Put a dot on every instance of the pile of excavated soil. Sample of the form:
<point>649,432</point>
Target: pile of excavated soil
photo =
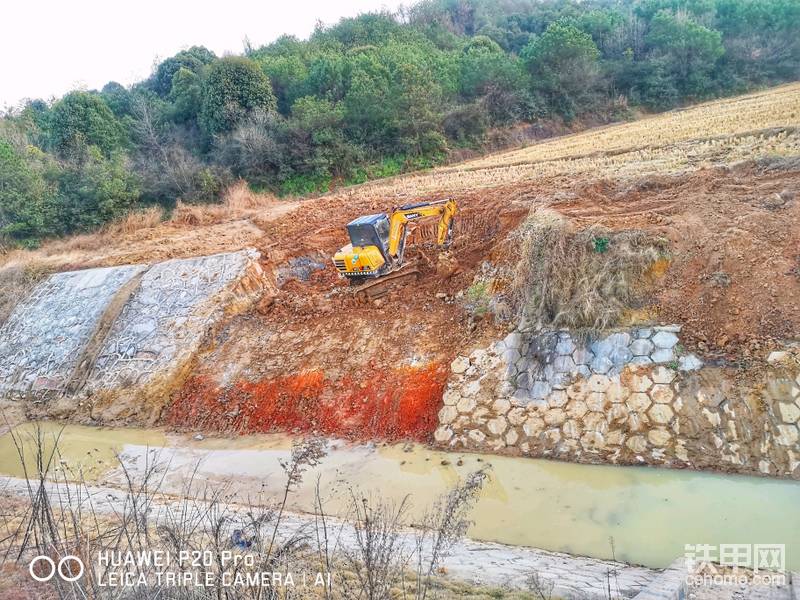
<point>312,357</point>
<point>733,278</point>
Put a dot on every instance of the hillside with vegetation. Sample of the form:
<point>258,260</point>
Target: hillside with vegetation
<point>374,96</point>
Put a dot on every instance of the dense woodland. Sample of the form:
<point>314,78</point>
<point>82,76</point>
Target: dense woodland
<point>374,96</point>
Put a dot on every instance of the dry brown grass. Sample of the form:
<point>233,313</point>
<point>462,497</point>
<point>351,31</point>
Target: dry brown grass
<point>240,197</point>
<point>134,221</point>
<point>584,280</point>
<point>126,226</point>
<point>144,235</point>
<point>238,201</point>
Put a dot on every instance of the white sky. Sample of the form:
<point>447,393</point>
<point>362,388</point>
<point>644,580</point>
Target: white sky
<point>49,47</point>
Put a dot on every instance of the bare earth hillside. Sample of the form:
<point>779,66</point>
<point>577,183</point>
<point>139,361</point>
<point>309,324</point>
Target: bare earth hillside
<point>720,182</point>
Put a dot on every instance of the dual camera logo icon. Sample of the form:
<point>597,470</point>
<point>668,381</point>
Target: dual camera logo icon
<point>64,568</point>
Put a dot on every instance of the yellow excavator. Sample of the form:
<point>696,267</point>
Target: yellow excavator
<point>378,242</point>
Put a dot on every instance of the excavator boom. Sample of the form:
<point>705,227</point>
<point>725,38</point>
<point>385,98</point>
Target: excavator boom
<point>400,217</point>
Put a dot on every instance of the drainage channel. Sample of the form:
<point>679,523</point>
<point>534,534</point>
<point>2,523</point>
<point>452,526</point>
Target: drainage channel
<point>637,515</point>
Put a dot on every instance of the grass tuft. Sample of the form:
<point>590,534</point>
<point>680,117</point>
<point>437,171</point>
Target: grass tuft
<point>582,280</point>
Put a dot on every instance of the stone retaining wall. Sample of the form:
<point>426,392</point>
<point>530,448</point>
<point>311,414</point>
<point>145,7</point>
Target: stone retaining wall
<point>87,340</point>
<point>632,396</point>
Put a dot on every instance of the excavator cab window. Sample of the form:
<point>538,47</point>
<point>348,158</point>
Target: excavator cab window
<point>370,230</point>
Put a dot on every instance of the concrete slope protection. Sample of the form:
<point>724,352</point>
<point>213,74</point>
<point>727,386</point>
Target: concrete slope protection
<point>86,337</point>
<point>41,342</point>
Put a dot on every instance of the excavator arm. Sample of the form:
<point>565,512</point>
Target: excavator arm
<point>400,217</point>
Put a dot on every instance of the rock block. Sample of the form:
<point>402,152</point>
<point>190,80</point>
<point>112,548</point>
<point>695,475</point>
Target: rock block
<point>638,401</point>
<point>601,365</point>
<point>642,347</point>
<point>662,394</point>
<point>789,413</point>
<point>577,408</point>
<point>533,426</point>
<point>665,339</point>
<point>459,364</point>
<point>582,356</point>
<point>659,437</point>
<point>662,355</point>
<point>637,444</point>
<point>660,413</point>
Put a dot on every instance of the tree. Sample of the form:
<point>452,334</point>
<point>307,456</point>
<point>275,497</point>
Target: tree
<point>483,65</point>
<point>256,149</point>
<point>318,125</point>
<point>234,87</point>
<point>117,98</point>
<point>606,26</point>
<point>327,75</point>
<point>287,74</point>
<point>690,50</point>
<point>393,102</point>
<point>164,163</point>
<point>82,119</point>
<point>499,78</point>
<point>193,59</point>
<point>364,30</point>
<point>27,209</point>
<point>466,124</point>
<point>564,64</point>
<point>368,99</point>
<point>95,191</point>
<point>185,95</point>
<point>417,111</point>
<point>761,39</point>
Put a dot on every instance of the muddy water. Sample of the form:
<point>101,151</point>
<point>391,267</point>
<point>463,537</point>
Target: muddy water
<point>649,513</point>
<point>82,452</point>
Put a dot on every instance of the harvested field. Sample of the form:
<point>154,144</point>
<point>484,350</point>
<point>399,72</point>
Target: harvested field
<point>769,109</point>
<point>764,124</point>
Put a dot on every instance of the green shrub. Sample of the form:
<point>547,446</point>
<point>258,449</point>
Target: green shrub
<point>28,209</point>
<point>299,185</point>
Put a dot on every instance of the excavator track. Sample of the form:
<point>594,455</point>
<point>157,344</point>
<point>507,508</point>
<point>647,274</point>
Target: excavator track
<point>370,290</point>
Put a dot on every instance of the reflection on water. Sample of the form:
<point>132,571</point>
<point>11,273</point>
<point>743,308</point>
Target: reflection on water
<point>649,513</point>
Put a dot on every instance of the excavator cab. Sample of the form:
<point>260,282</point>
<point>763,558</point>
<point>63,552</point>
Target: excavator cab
<point>370,230</point>
<point>367,254</point>
<point>377,242</point>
